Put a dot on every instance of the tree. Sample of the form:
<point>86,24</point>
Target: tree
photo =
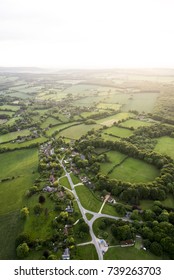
<point>37,209</point>
<point>24,212</point>
<point>41,199</point>
<point>156,248</point>
<point>22,250</point>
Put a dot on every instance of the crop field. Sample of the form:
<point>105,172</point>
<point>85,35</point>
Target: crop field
<point>134,171</point>
<point>20,164</point>
<point>114,158</point>
<point>165,146</point>
<point>75,132</point>
<point>13,135</point>
<point>118,131</point>
<point>108,121</point>
<point>87,199</point>
<point>142,102</point>
<point>135,123</point>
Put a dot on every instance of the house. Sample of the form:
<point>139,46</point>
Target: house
<point>66,254</point>
<point>69,209</point>
<point>127,243</point>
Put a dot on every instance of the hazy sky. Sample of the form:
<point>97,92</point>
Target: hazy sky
<point>87,33</point>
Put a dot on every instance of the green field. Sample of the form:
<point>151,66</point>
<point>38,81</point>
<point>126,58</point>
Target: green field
<point>13,135</point>
<point>134,171</point>
<point>75,132</point>
<point>114,158</point>
<point>108,121</point>
<point>118,131</point>
<point>87,199</point>
<point>10,107</point>
<point>165,146</point>
<point>75,179</point>
<point>7,113</point>
<point>135,123</point>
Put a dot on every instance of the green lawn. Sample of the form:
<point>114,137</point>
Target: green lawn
<point>86,252</point>
<point>165,145</point>
<point>128,253</point>
<point>87,199</point>
<point>110,210</point>
<point>118,131</point>
<point>134,171</point>
<point>75,179</point>
<point>64,182</point>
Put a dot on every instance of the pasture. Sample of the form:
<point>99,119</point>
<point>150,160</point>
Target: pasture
<point>25,144</point>
<point>106,106</point>
<point>118,131</point>
<point>75,132</point>
<point>9,107</point>
<point>108,121</point>
<point>135,123</point>
<point>49,121</point>
<point>13,135</point>
<point>22,166</point>
<point>141,102</point>
<point>57,128</point>
<point>87,198</point>
<point>165,145</point>
<point>135,171</point>
<point>114,158</point>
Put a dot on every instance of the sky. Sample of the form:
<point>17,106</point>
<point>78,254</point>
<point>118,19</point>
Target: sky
<point>87,33</point>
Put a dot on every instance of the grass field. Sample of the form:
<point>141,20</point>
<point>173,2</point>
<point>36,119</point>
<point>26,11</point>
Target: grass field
<point>118,131</point>
<point>20,163</point>
<point>13,135</point>
<point>86,252</point>
<point>8,113</point>
<point>114,158</point>
<point>10,107</point>
<point>165,145</point>
<point>75,179</point>
<point>128,253</point>
<point>87,199</point>
<point>75,132</point>
<point>108,121</point>
<point>135,123</point>
<point>134,171</point>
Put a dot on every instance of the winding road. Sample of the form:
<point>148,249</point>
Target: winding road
<point>84,211</point>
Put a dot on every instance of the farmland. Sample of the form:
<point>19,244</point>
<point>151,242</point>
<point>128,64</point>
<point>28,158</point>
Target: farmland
<point>85,155</point>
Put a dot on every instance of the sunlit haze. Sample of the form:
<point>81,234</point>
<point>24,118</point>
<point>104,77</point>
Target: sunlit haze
<point>87,33</point>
